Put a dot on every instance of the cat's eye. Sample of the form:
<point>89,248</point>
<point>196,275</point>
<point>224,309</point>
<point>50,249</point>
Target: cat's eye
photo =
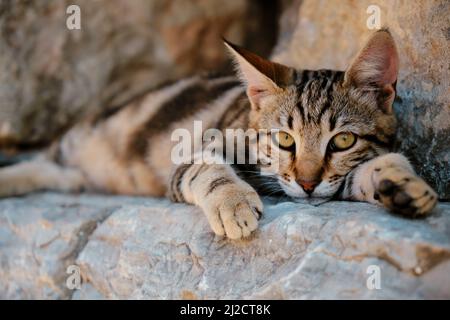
<point>284,140</point>
<point>342,141</point>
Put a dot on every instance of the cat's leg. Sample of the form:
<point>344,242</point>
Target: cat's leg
<point>231,205</point>
<point>390,180</point>
<point>37,175</point>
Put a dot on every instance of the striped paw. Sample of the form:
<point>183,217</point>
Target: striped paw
<point>403,192</point>
<point>233,210</point>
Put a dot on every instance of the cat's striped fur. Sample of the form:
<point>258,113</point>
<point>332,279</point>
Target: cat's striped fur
<point>129,151</point>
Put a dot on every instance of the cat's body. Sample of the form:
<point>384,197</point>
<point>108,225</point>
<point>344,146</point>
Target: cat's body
<point>337,127</point>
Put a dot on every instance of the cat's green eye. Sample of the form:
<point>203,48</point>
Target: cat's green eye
<point>343,141</point>
<point>284,140</point>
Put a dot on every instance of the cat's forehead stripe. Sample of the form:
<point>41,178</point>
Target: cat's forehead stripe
<point>315,88</point>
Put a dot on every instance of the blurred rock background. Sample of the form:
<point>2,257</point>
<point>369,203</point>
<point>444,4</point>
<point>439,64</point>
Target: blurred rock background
<point>51,76</point>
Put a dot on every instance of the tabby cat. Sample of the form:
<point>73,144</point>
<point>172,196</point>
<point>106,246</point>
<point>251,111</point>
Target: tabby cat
<point>333,133</point>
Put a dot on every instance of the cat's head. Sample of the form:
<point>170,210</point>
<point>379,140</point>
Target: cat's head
<point>329,121</point>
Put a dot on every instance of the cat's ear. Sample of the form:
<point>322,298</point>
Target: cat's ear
<point>375,68</point>
<point>262,77</point>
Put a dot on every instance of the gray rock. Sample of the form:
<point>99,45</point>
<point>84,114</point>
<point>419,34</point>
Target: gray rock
<point>314,35</point>
<point>159,250</point>
<point>40,236</point>
<point>87,292</point>
<point>138,248</point>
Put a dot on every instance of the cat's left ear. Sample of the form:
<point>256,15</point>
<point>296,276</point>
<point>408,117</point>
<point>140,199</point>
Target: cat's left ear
<point>261,76</point>
<point>375,68</point>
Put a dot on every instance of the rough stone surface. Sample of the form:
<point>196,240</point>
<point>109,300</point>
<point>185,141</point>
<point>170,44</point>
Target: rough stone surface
<point>39,237</point>
<point>327,34</point>
<point>50,75</point>
<point>137,248</point>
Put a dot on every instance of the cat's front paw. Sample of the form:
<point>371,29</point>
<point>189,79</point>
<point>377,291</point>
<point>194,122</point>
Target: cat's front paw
<point>233,211</point>
<point>403,192</point>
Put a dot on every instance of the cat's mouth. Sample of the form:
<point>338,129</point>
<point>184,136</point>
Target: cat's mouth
<point>296,192</point>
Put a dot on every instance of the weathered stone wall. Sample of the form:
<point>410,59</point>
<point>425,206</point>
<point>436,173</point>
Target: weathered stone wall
<point>50,76</point>
<point>327,34</point>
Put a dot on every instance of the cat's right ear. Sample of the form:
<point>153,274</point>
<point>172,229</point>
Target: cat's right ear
<point>261,76</point>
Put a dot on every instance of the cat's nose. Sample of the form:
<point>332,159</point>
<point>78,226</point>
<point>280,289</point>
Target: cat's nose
<point>308,185</point>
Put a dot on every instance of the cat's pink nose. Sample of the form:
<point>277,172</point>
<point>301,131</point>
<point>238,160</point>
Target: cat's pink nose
<point>308,186</point>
